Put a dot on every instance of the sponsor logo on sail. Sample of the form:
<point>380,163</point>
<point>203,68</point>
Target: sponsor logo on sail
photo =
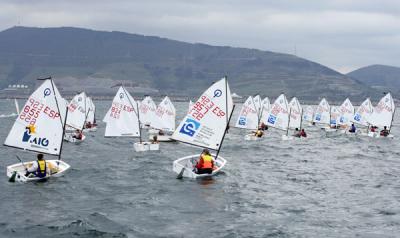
<point>318,117</point>
<point>190,127</point>
<point>217,93</point>
<point>34,141</point>
<point>357,117</point>
<point>46,92</point>
<point>272,119</point>
<point>242,121</point>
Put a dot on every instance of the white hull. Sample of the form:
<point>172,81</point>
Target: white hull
<point>164,138</point>
<point>60,166</point>
<point>189,162</point>
<point>90,129</point>
<point>146,146</point>
<point>69,137</point>
<point>251,137</point>
<point>377,135</point>
<point>329,130</point>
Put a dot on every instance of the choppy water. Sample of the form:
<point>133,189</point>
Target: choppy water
<point>320,187</point>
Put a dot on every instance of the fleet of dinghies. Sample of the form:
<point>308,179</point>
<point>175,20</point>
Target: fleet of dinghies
<point>47,120</point>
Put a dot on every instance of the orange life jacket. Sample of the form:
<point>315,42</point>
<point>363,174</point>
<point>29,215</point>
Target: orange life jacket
<point>207,162</point>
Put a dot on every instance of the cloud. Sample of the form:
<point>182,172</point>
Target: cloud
<point>341,34</point>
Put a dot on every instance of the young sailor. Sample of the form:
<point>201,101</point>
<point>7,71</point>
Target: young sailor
<point>205,164</point>
<point>78,134</point>
<point>384,132</point>
<point>303,133</point>
<point>352,128</point>
<point>39,167</point>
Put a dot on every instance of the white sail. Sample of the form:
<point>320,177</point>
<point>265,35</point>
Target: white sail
<point>335,115</point>
<point>257,103</point>
<point>40,125</point>
<point>166,115</point>
<point>16,105</point>
<point>295,114</point>
<point>346,111</point>
<point>122,119</point>
<point>77,111</point>
<point>206,122</point>
<point>383,112</point>
<point>265,108</point>
<point>308,114</point>
<point>107,115</point>
<point>190,105</point>
<point>90,110</point>
<point>147,112</point>
<point>248,116</point>
<point>279,114</point>
<point>322,114</point>
<point>363,113</point>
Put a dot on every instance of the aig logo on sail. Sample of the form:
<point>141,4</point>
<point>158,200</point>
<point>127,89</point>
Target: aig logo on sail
<point>189,127</point>
<point>34,141</point>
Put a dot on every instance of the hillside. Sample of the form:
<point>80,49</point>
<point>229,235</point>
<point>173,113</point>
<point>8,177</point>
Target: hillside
<point>380,77</point>
<point>96,60</point>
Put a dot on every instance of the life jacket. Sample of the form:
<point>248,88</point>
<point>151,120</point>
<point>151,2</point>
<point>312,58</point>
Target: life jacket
<point>41,170</point>
<point>207,162</point>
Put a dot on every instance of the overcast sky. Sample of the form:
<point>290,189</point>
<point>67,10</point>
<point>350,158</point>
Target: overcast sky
<point>341,34</point>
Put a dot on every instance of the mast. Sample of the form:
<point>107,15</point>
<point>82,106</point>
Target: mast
<point>58,108</point>
<point>301,118</point>
<point>137,114</point>
<point>394,110</point>
<point>86,114</point>
<point>226,116</point>
<point>287,129</point>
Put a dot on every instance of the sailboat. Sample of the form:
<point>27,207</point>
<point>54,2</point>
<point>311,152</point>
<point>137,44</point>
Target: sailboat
<point>382,115</point>
<point>295,118</point>
<point>165,121</point>
<point>308,115</point>
<point>346,113</point>
<point>123,120</point>
<point>39,128</point>
<point>266,106</point>
<point>90,121</point>
<point>362,114</point>
<point>322,115</point>
<point>14,113</point>
<point>278,117</point>
<point>77,112</point>
<point>147,113</point>
<point>249,118</point>
<point>205,126</point>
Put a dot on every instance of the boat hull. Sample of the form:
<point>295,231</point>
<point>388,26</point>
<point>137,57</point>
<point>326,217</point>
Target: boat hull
<point>19,168</point>
<point>146,146</point>
<point>69,137</point>
<point>188,162</point>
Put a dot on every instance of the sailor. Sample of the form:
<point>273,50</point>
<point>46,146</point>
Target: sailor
<point>384,132</point>
<point>352,128</point>
<point>205,164</point>
<point>296,132</point>
<point>161,133</point>
<point>78,134</point>
<point>39,167</point>
<point>155,140</point>
<point>259,133</point>
<point>303,133</point>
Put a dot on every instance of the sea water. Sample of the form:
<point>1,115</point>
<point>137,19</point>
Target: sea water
<point>324,186</point>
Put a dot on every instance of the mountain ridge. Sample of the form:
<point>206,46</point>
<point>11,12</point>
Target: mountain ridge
<point>95,60</point>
